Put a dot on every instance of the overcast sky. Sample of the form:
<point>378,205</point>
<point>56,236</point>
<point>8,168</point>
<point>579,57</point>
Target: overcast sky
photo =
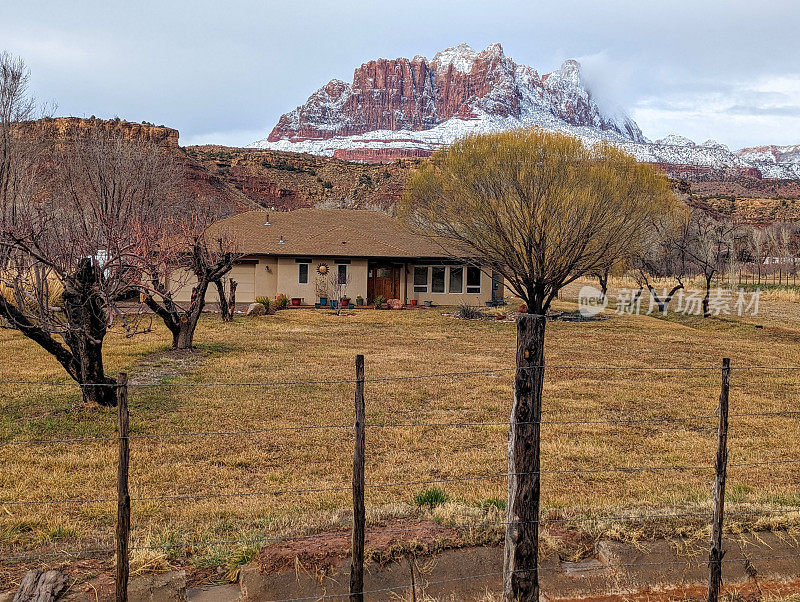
<point>224,71</point>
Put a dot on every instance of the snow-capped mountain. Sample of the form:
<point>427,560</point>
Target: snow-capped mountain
<point>401,107</point>
<point>774,161</point>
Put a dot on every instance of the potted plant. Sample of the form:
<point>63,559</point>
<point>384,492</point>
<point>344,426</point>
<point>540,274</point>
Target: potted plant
<point>413,302</point>
<point>345,301</point>
<point>297,301</point>
<point>359,300</point>
<point>281,301</point>
<point>266,302</point>
<point>428,303</point>
<point>379,301</point>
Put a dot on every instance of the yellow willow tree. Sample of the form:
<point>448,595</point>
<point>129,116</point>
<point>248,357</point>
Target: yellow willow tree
<point>542,209</point>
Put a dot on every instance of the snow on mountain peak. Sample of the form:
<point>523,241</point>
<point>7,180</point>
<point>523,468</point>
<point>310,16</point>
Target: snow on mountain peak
<point>711,143</point>
<point>675,140</point>
<point>401,107</point>
<point>571,69</point>
<point>462,57</point>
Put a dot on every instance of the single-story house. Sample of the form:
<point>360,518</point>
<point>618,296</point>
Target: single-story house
<point>299,253</point>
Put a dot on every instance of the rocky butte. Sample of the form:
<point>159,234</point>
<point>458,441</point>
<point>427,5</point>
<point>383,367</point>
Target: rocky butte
<point>59,127</point>
<point>409,107</point>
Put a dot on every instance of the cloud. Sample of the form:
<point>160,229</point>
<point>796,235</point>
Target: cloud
<point>768,104</point>
<point>610,81</point>
<point>49,49</point>
<point>789,111</point>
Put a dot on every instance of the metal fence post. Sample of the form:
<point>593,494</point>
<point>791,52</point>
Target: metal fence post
<point>359,513</point>
<point>720,468</point>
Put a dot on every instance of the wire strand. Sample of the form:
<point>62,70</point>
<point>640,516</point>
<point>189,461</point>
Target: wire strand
<point>334,381</point>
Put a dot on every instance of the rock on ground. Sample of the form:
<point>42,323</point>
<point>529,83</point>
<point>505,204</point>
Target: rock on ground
<point>256,309</point>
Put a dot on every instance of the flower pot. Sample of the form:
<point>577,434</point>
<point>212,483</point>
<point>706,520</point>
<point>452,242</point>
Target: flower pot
<point>296,301</point>
<point>323,300</point>
<point>345,301</point>
<point>413,302</point>
<point>333,304</point>
<point>359,301</point>
<point>428,303</point>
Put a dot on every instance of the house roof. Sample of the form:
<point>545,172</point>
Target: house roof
<point>329,233</point>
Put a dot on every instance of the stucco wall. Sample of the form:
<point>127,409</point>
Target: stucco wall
<point>246,275</point>
<point>288,281</point>
<point>447,298</point>
<point>255,280</point>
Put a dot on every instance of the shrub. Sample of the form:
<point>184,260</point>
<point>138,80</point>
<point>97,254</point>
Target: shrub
<point>281,301</point>
<point>493,502</point>
<point>265,301</point>
<point>431,497</point>
<point>465,311</point>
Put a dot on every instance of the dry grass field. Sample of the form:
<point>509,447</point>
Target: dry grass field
<point>180,394</point>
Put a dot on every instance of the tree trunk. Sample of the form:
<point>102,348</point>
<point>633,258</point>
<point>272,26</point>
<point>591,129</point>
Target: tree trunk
<point>183,337</point>
<point>706,311</point>
<point>95,385</point>
<point>226,305</point>
<point>521,577</point>
<point>223,301</point>
<point>603,278</point>
<point>88,323</point>
<point>663,304</point>
<point>232,300</point>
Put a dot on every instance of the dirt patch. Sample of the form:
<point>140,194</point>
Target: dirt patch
<point>396,539</point>
<point>162,366</point>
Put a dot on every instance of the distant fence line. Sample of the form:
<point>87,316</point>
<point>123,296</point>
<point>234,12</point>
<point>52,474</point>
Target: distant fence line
<point>122,548</point>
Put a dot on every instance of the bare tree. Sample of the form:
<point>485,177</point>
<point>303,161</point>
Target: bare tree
<point>710,241</point>
<point>662,256</point>
<point>338,283</point>
<point>71,244</point>
<point>757,248</point>
<point>17,153</point>
<point>541,209</point>
<point>200,254</point>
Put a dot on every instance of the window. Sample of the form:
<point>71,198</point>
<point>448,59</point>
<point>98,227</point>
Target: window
<point>420,279</point>
<point>437,279</point>
<point>473,280</point>
<point>341,274</point>
<point>302,273</point>
<point>456,280</point>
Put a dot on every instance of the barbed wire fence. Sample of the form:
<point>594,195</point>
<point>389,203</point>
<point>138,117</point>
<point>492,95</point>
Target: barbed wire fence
<point>122,549</point>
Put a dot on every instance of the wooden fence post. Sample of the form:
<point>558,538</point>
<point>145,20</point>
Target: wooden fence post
<point>720,468</point>
<point>521,558</point>
<point>123,496</point>
<point>359,513</point>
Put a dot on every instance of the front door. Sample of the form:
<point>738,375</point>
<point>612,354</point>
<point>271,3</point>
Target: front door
<point>384,281</point>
